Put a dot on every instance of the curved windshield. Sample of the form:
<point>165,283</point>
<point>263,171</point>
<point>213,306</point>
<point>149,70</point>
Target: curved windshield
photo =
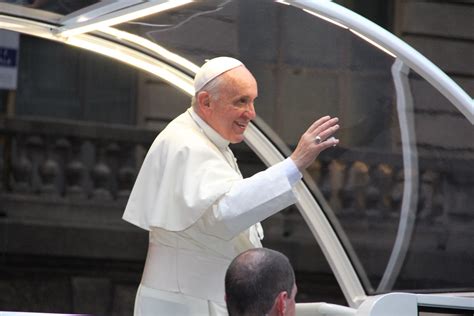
<point>398,189</point>
<point>398,232</point>
<point>440,254</point>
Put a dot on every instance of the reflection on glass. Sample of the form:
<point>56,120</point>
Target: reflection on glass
<point>73,84</point>
<point>57,6</point>
<point>441,250</point>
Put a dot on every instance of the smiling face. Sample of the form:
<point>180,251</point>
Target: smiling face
<point>230,110</point>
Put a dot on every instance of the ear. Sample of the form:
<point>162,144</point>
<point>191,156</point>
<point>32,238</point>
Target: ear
<point>203,99</point>
<point>281,302</point>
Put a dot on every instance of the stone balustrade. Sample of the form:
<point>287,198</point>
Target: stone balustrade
<point>363,184</point>
<point>92,161</point>
<point>71,160</point>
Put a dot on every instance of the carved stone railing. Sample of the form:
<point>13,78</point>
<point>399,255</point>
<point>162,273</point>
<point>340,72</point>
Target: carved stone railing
<point>71,160</point>
<point>367,183</point>
<point>98,162</point>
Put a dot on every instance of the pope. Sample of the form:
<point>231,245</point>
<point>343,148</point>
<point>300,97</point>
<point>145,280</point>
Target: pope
<point>191,197</point>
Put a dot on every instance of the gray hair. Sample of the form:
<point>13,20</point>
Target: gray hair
<point>213,87</point>
<point>254,279</point>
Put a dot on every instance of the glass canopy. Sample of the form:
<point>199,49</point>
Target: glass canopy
<point>397,191</point>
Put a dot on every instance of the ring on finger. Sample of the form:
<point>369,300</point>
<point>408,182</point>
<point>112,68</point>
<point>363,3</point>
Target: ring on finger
<point>318,139</point>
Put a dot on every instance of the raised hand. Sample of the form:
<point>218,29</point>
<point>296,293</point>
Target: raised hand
<point>316,139</point>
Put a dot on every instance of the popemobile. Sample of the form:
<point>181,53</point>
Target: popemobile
<point>383,223</point>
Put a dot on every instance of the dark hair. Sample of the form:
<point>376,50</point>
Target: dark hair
<point>254,279</point>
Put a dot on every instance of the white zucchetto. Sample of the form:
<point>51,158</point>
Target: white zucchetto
<point>213,68</point>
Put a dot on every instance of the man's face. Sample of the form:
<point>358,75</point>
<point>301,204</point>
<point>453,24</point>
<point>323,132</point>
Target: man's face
<point>233,108</point>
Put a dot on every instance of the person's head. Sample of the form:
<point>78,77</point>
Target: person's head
<point>260,282</point>
<point>225,92</point>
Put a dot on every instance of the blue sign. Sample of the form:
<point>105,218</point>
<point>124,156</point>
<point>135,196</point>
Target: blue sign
<point>8,57</point>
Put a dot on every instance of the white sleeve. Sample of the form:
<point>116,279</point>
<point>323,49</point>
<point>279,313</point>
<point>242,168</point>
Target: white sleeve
<point>253,199</point>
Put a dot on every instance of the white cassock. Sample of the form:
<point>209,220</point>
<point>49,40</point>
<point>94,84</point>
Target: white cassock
<point>200,213</point>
